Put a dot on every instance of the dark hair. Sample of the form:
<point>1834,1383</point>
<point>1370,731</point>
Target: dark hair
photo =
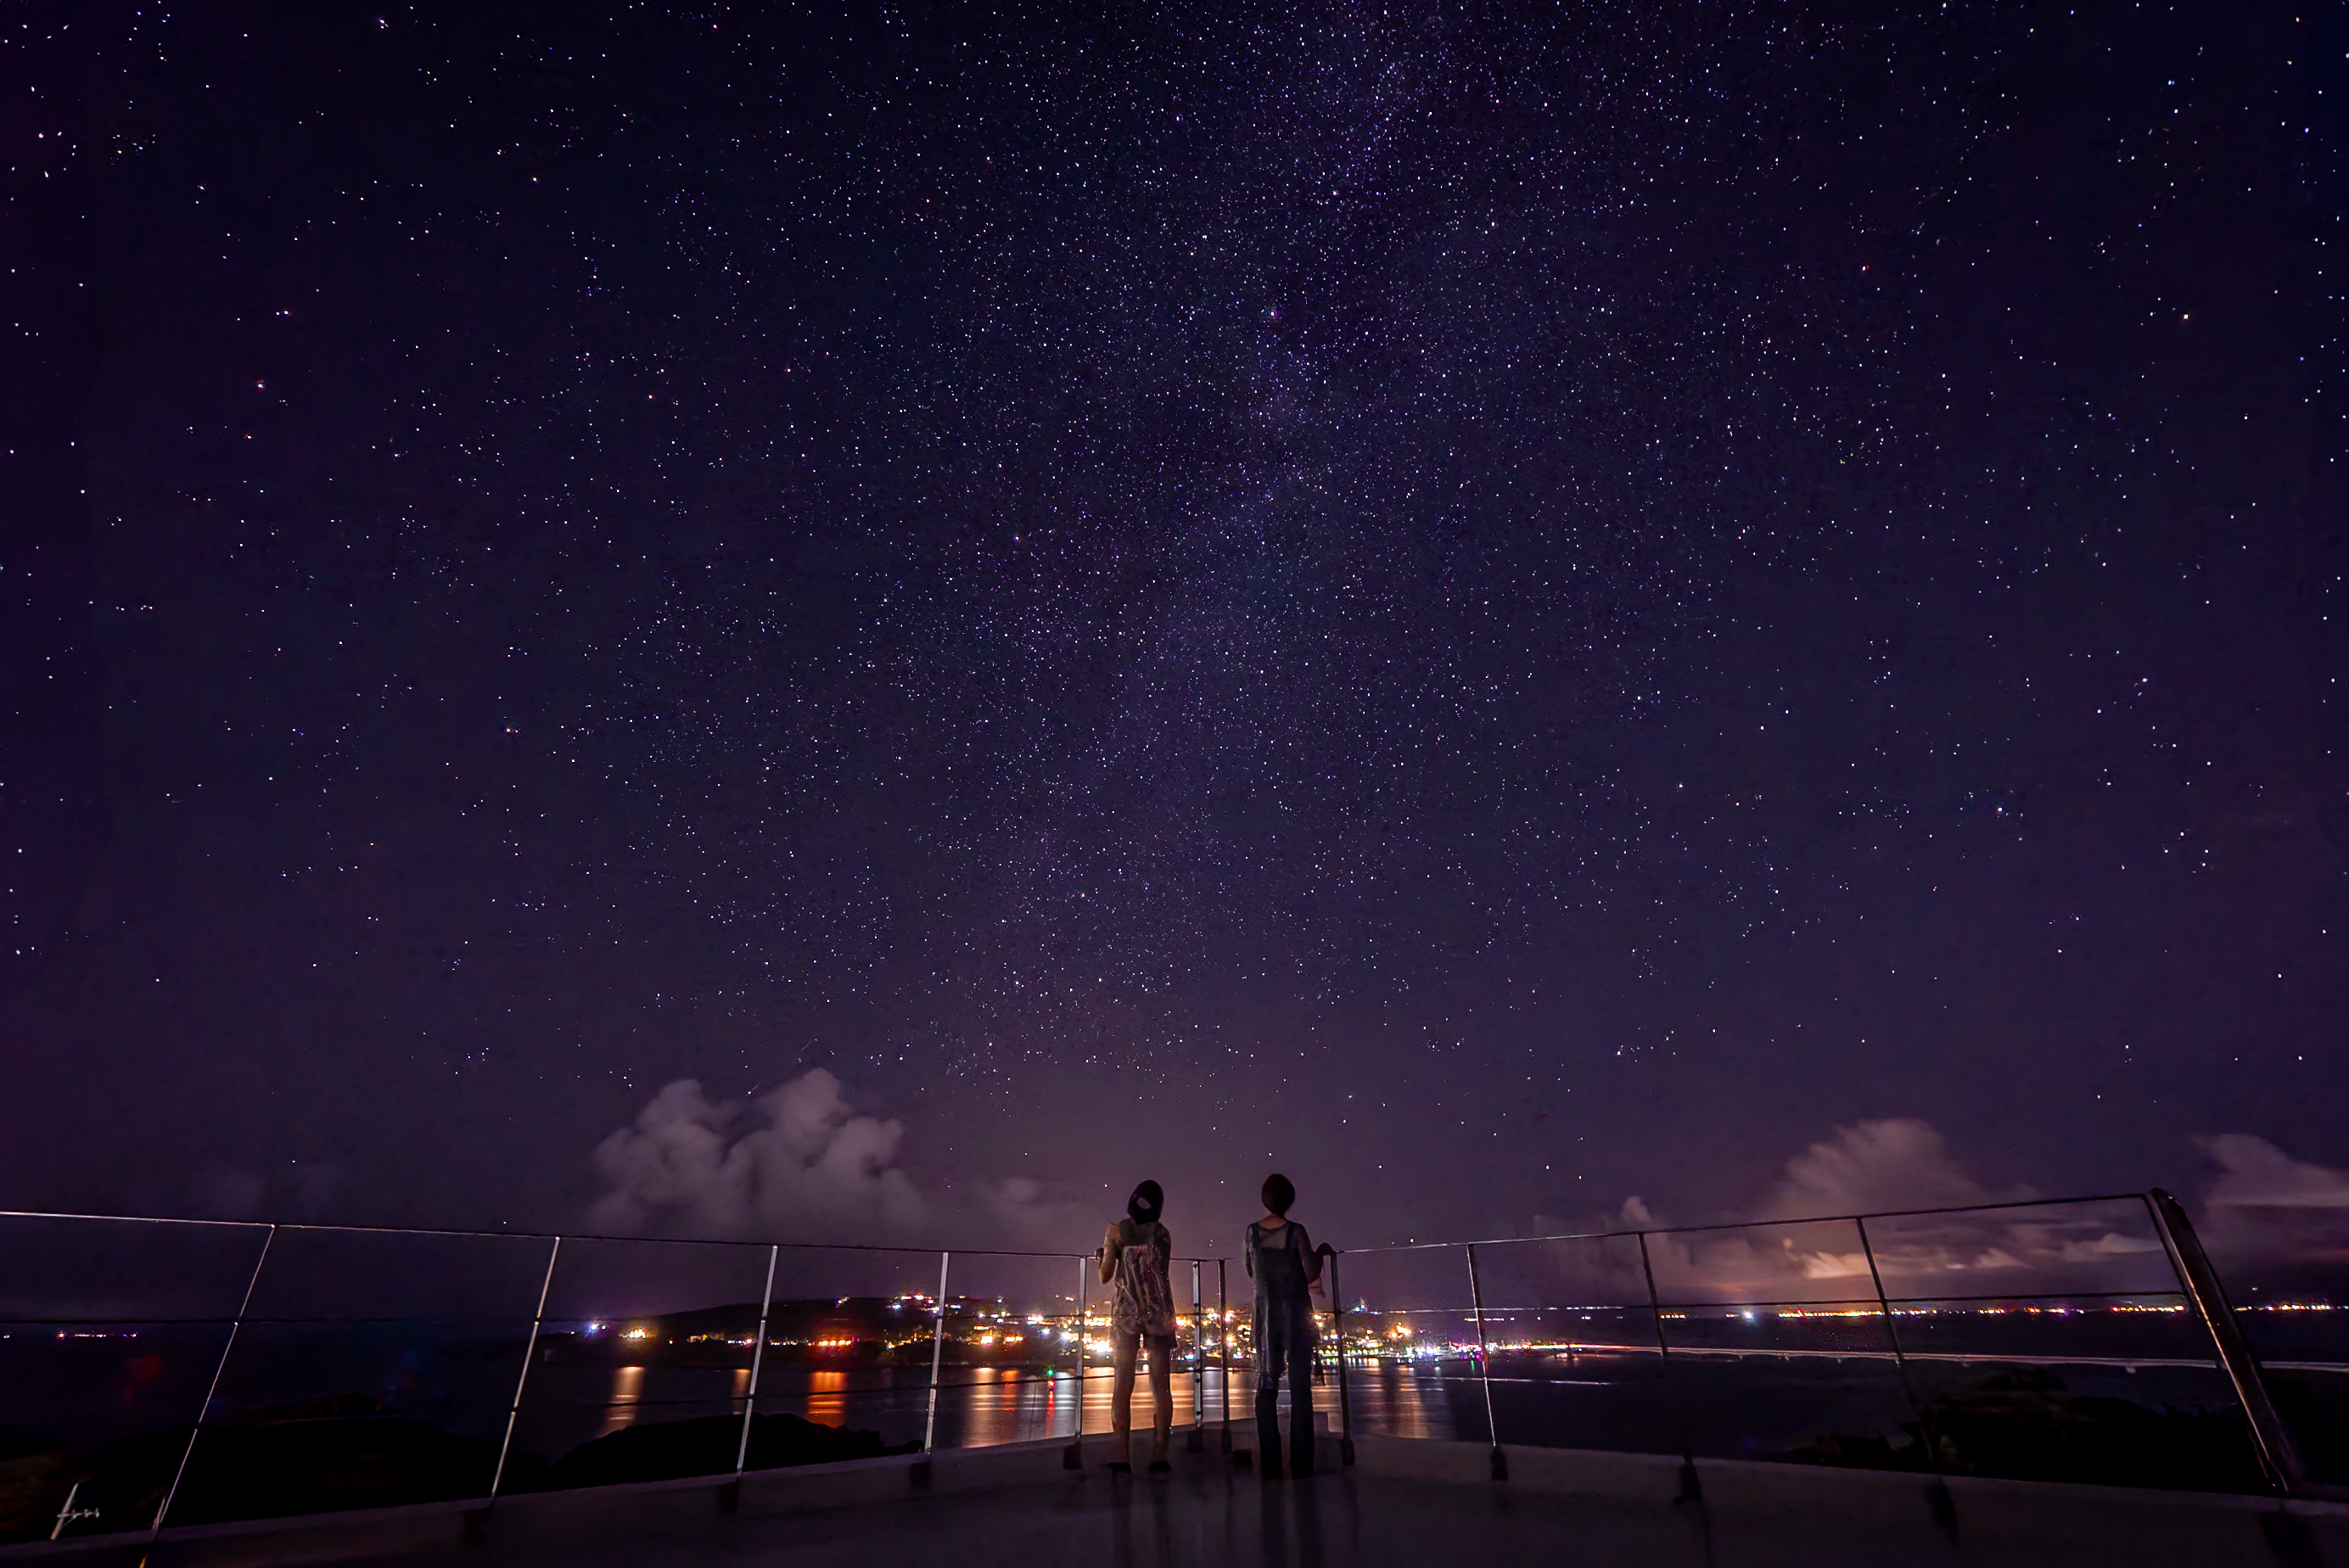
<point>1279,1192</point>
<point>1147,1200</point>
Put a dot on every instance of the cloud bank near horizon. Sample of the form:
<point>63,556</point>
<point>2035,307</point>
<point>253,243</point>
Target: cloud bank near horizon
<point>2253,1173</point>
<point>2261,1207</point>
<point>801,1162</point>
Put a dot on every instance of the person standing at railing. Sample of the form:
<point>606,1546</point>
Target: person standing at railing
<point>1134,1255</point>
<point>1288,1274</point>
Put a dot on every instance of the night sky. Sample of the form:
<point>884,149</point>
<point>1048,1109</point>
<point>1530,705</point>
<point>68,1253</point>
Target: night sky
<point>1495,608</point>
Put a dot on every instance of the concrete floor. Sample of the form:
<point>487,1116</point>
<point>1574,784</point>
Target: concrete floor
<point>1206,1515</point>
<point>1211,1514</point>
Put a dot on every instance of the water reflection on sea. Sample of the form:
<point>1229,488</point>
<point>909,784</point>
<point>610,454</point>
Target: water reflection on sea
<point>1740,1405</point>
<point>628,1397</point>
<point>979,1406</point>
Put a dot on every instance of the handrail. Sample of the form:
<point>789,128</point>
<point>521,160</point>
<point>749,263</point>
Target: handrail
<point>552,1235</point>
<point>1761,1225</point>
<point>1015,1252</point>
<point>1736,1302</point>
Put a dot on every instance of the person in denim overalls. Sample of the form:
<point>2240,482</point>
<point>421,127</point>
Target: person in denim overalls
<point>1287,1272</point>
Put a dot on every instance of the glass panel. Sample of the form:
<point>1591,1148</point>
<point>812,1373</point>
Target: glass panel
<point>2050,1249</point>
<point>1813,1262</point>
<point>373,1368</point>
<point>109,1333</point>
<point>2286,1268</point>
<point>1814,1383</point>
<point>847,1368</point>
<point>2047,1342</point>
<point>1779,1350</point>
<point>2113,1391</point>
<point>1411,1370</point>
<point>1011,1355</point>
<point>1575,1359</point>
<point>643,1364</point>
<point>2051,1342</point>
<point>1229,1390</point>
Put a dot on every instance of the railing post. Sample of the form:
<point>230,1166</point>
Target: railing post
<point>1074,1456</point>
<point>938,1359</point>
<point>1485,1367</point>
<point>1338,1328</point>
<point>1945,1507</point>
<point>1197,1441</point>
<point>1224,1344</point>
<point>1647,1269</point>
<point>529,1354</point>
<point>758,1361</point>
<point>236,1326</point>
<point>2270,1439</point>
<point>67,1512</point>
<point>1691,1488</point>
<point>1884,1306</point>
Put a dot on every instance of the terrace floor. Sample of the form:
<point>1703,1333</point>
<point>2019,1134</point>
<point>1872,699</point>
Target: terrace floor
<point>1204,1516</point>
<point>1419,1502</point>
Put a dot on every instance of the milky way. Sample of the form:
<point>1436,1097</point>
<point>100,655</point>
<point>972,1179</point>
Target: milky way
<point>1450,556</point>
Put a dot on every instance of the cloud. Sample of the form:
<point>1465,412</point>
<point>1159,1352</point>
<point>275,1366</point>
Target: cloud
<point>2255,1175</point>
<point>1870,1167</point>
<point>805,1166</point>
<point>1889,1166</point>
<point>2277,1220</point>
<point>2271,1222</point>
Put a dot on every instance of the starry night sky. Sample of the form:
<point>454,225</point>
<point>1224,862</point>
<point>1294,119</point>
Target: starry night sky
<point>1494,607</point>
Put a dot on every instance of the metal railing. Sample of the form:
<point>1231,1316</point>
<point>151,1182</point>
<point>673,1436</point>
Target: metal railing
<point>205,1341</point>
<point>82,1278</point>
<point>1740,1305</point>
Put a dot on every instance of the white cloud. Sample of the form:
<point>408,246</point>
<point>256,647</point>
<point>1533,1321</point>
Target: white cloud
<point>806,1168</point>
<point>2255,1175</point>
<point>2261,1207</point>
<point>1870,1167</point>
<point>1898,1166</point>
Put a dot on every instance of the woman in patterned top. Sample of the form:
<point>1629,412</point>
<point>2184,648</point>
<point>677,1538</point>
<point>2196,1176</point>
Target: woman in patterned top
<point>1134,1254</point>
<point>1287,1272</point>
